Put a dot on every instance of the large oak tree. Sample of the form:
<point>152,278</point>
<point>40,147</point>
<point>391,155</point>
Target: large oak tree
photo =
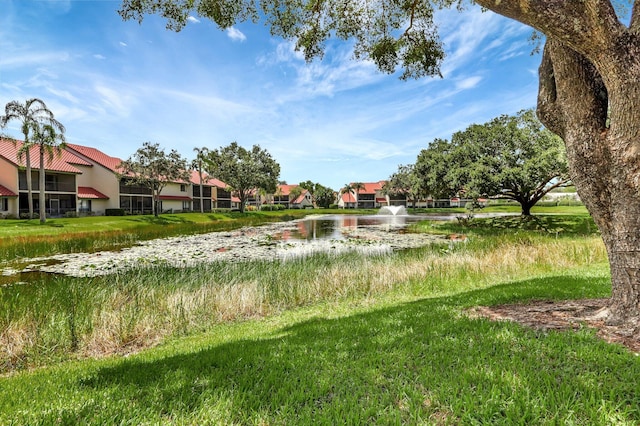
<point>510,157</point>
<point>590,65</point>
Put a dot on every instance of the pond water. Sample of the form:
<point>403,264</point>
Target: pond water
<point>281,240</point>
<point>338,227</point>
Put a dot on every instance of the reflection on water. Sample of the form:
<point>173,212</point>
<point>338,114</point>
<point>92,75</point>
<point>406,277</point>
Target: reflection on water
<point>337,227</point>
<point>23,278</point>
<point>25,273</point>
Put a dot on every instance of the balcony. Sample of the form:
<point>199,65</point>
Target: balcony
<point>53,182</point>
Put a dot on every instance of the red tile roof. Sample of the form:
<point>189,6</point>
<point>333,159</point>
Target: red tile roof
<point>371,187</point>
<point>195,178</point>
<point>348,197</point>
<point>5,192</point>
<point>217,183</point>
<point>300,198</point>
<point>88,193</point>
<point>62,160</point>
<point>96,156</point>
<point>286,189</point>
<point>206,180</point>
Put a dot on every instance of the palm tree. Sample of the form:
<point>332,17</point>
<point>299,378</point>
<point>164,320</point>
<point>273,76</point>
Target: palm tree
<point>197,163</point>
<point>347,189</point>
<point>48,141</point>
<point>357,186</point>
<point>32,111</point>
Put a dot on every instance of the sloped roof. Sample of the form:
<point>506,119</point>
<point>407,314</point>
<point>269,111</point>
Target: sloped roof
<point>97,156</point>
<point>5,192</point>
<point>89,193</point>
<point>62,160</point>
<point>286,189</point>
<point>301,197</point>
<point>371,187</point>
<point>207,180</point>
<point>348,197</point>
<point>217,183</point>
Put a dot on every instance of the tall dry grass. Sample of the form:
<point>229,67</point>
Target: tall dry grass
<point>68,317</point>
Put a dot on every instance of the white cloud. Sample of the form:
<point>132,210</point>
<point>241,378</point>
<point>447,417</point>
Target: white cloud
<point>468,83</point>
<point>337,72</point>
<point>99,56</point>
<point>123,44</point>
<point>193,20</point>
<point>29,59</point>
<point>63,94</point>
<point>115,100</point>
<point>235,34</point>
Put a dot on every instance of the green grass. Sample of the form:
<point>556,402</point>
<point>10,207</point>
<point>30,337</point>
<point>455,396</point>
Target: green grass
<point>559,224</point>
<point>54,318</point>
<point>325,340</point>
<point>20,238</point>
<point>389,360</point>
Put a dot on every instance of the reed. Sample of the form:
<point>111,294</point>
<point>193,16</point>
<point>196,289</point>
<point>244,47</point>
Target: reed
<point>61,317</point>
<point>67,238</point>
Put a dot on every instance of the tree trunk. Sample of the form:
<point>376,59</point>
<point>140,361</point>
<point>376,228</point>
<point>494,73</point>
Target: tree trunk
<point>29,184</point>
<point>41,198</point>
<point>201,195</point>
<point>604,161</point>
<point>526,209</point>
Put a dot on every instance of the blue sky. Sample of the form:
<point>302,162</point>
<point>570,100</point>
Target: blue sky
<point>116,84</point>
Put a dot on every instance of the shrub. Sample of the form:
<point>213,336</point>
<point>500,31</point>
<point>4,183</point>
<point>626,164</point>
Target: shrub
<point>114,212</point>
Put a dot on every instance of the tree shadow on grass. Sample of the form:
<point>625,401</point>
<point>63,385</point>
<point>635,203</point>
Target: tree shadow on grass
<point>416,362</point>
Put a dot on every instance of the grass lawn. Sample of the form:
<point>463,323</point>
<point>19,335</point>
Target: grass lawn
<point>326,340</point>
<point>393,359</point>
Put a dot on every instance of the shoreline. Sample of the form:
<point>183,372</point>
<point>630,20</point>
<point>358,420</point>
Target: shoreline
<point>264,242</point>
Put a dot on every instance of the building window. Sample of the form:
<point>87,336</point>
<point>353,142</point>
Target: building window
<point>4,202</point>
<point>183,188</point>
<point>186,205</point>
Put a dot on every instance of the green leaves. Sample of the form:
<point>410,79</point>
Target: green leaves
<point>151,167</point>
<point>393,34</point>
<point>243,170</point>
<point>511,157</point>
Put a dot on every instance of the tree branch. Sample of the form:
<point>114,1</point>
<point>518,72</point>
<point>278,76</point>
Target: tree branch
<point>634,27</point>
<point>588,26</point>
<point>549,111</point>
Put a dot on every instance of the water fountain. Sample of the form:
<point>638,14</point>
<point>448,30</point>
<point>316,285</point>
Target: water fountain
<point>393,210</point>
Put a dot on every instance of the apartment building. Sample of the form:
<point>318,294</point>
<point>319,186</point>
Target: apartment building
<point>85,180</point>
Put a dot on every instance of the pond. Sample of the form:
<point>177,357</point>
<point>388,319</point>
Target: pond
<point>281,241</point>
<point>340,227</point>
